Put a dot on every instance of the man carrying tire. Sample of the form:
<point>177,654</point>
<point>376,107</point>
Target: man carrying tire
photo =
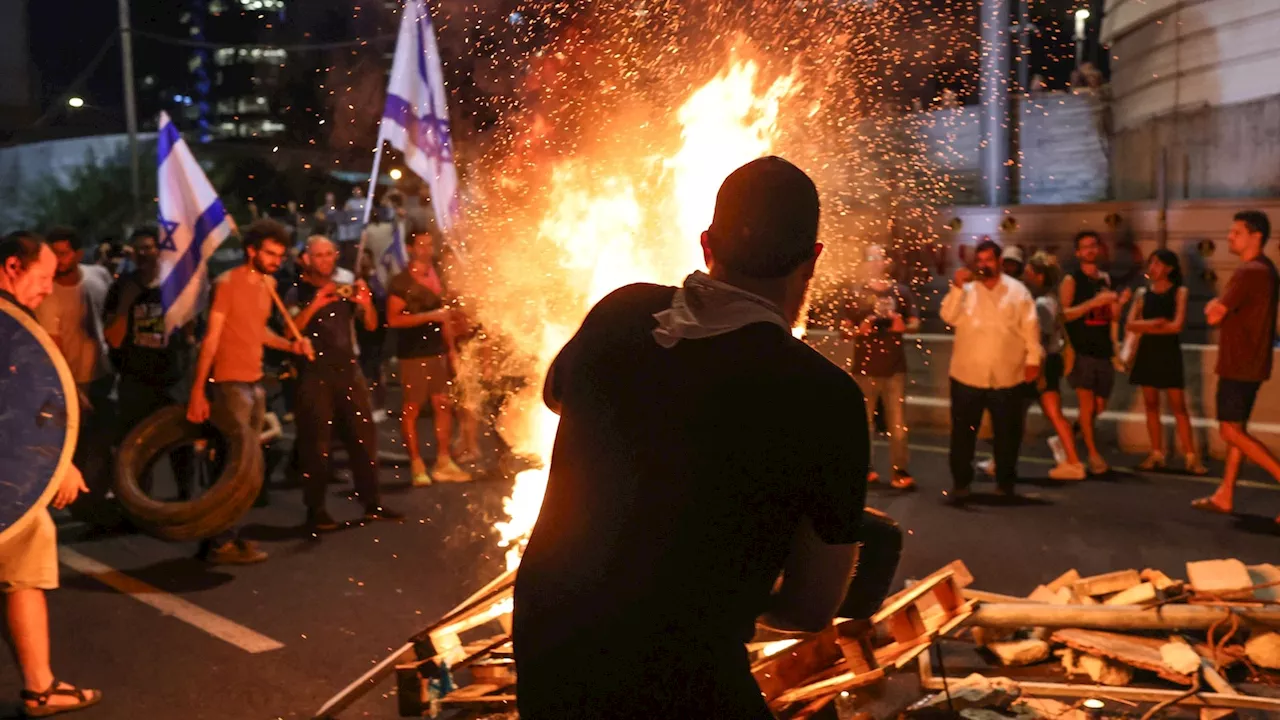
<point>331,388</point>
<point>230,360</point>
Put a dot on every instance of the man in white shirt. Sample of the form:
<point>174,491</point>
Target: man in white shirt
<point>996,350</point>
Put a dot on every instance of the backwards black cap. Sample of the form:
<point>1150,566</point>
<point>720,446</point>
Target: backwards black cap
<point>766,219</point>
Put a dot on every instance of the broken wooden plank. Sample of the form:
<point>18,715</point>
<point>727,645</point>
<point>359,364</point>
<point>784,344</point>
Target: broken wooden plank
<point>1065,580</point>
<point>794,665</point>
<point>1139,652</point>
<point>1227,579</point>
<point>830,686</point>
<point>1104,670</point>
<point>1137,595</point>
<point>1107,583</point>
<point>1263,649</point>
<point>1159,579</point>
<point>1116,617</point>
<point>1021,652</point>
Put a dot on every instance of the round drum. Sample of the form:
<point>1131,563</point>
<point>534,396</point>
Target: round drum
<point>39,416</point>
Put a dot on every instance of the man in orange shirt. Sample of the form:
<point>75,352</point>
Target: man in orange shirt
<point>231,357</point>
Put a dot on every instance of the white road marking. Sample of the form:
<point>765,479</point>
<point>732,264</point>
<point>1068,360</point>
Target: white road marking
<point>169,604</point>
<point>1107,415</point>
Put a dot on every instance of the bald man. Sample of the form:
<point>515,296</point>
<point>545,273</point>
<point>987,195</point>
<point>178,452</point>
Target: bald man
<point>331,387</point>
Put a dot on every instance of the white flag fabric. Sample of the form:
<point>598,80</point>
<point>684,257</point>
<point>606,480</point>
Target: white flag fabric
<point>192,224</point>
<point>415,119</point>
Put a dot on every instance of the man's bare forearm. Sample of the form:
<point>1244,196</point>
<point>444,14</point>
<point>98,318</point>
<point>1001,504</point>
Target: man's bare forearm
<point>275,342</point>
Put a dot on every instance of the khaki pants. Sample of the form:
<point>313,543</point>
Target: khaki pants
<point>29,557</point>
<point>893,390</point>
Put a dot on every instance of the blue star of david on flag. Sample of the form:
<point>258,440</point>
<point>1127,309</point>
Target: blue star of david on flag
<point>167,227</point>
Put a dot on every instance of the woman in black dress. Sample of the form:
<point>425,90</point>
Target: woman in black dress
<point>1156,317</point>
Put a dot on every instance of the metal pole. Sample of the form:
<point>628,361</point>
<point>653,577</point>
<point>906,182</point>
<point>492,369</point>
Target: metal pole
<point>130,109</point>
<point>994,92</point>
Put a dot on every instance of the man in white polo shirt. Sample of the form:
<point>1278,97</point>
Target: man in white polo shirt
<point>996,350</point>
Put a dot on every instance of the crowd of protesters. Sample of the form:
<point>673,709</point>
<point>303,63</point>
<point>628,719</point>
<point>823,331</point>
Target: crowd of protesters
<point>1022,327</point>
<point>374,320</point>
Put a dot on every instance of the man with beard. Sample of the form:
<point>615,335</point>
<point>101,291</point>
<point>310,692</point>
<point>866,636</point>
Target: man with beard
<point>231,357</point>
<point>150,364</point>
<point>996,350</point>
<point>72,314</point>
<point>1092,312</point>
<point>672,503</point>
<point>331,388</point>
<point>29,556</point>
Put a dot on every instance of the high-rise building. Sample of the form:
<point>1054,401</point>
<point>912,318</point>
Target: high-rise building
<point>234,90</point>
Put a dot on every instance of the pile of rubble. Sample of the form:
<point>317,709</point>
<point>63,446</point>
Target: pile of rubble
<point>1136,638</point>
<point>1128,643</point>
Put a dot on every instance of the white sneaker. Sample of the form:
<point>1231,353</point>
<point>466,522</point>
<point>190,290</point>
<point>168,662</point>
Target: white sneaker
<point>449,472</point>
<point>1068,471</point>
<point>379,416</point>
<point>1098,466</point>
<point>987,466</point>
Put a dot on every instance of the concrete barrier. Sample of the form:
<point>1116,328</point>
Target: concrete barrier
<point>1124,423</point>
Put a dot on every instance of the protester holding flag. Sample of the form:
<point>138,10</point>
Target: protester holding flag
<point>386,238</point>
<point>151,362</point>
<point>231,357</point>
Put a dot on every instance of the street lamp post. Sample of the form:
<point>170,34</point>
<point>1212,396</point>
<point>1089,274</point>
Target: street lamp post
<point>130,109</point>
<point>1082,20</point>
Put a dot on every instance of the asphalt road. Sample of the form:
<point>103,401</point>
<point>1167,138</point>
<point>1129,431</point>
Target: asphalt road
<point>331,608</point>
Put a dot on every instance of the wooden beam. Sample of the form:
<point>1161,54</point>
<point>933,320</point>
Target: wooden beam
<point>1115,617</point>
<point>1144,695</point>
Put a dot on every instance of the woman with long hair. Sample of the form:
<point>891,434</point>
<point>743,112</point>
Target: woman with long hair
<point>1157,317</point>
<point>1042,275</point>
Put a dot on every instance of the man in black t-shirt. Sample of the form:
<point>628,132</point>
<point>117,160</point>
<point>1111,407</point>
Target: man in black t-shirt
<point>672,503</point>
<point>151,365</point>
<point>1091,308</point>
<point>881,311</point>
<point>332,394</point>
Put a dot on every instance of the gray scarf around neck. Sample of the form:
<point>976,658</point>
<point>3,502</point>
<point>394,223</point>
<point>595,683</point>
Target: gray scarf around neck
<point>704,307</point>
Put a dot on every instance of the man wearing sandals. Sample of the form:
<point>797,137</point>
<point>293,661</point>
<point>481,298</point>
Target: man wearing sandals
<point>29,558</point>
<point>1245,316</point>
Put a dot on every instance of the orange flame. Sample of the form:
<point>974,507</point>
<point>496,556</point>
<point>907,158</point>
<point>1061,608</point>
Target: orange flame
<point>640,227</point>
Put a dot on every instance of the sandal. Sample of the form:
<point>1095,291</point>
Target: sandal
<point>42,708</point>
<point>1208,505</point>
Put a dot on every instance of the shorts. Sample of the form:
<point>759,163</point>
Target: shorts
<point>1095,374</point>
<point>422,377</point>
<point>1051,371</point>
<point>29,556</point>
<point>1235,400</point>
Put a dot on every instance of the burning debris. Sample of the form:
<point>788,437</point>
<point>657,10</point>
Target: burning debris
<point>1075,648</point>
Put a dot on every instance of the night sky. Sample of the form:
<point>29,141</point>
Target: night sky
<point>60,54</point>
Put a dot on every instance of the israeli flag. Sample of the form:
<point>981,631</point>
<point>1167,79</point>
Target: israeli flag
<point>192,223</point>
<point>416,117</point>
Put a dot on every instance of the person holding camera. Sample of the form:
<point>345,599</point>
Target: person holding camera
<point>332,388</point>
<point>997,349</point>
<point>882,310</point>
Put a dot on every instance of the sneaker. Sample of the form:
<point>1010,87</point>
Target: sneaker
<point>1194,466</point>
<point>1068,471</point>
<point>449,471</point>
<point>987,467</point>
<point>236,552</point>
<point>379,416</point>
<point>1059,452</point>
<point>1098,466</point>
<point>873,476</point>
<point>321,521</point>
<point>902,480</point>
<point>419,471</point>
<point>382,513</point>
<point>956,496</point>
<point>1154,461</point>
